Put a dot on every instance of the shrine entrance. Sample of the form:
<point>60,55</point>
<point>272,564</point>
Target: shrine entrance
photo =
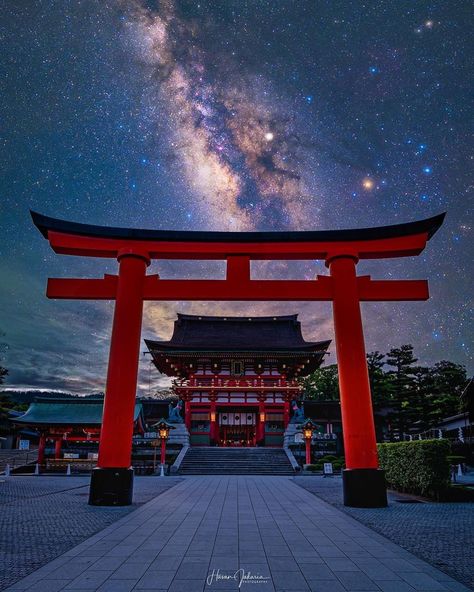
<point>237,427</point>
<point>112,480</point>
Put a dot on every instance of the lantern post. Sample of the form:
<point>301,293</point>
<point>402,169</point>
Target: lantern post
<point>163,428</point>
<point>308,428</point>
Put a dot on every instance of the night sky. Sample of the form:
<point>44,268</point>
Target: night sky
<point>231,115</point>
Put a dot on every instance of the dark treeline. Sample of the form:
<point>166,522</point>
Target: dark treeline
<point>415,396</point>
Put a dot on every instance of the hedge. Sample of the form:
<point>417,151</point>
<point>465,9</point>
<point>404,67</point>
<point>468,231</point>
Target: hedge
<point>418,467</point>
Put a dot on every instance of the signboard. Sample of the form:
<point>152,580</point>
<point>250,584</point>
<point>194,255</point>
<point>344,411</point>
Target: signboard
<point>316,436</point>
<point>327,469</point>
<point>92,455</point>
<point>71,455</point>
<point>319,436</point>
<point>150,435</point>
<point>24,445</point>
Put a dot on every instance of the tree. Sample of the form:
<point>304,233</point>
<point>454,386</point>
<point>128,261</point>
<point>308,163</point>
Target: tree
<point>379,382</point>
<point>402,386</point>
<point>449,381</point>
<point>322,384</point>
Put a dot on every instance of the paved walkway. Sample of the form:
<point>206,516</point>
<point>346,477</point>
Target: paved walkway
<point>43,516</point>
<point>440,533</point>
<point>197,535</point>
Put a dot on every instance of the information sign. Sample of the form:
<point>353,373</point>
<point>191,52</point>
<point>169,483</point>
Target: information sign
<point>327,469</point>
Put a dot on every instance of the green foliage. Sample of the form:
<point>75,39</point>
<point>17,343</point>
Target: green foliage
<point>379,382</point>
<point>455,460</point>
<point>418,467</point>
<point>317,466</point>
<point>322,385</point>
<point>402,386</point>
<point>417,396</point>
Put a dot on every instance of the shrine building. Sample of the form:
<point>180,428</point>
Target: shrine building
<point>69,422</point>
<point>237,376</point>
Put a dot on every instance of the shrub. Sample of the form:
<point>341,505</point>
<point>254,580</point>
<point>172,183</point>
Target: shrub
<point>455,460</point>
<point>419,467</point>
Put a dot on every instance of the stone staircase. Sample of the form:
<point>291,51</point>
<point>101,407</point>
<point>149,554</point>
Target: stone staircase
<point>17,458</point>
<point>204,460</point>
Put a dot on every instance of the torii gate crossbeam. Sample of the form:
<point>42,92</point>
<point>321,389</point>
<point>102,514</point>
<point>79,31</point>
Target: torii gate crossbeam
<point>112,480</point>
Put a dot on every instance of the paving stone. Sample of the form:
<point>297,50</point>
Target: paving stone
<point>421,581</point>
<point>291,581</point>
<point>393,586</point>
<point>49,585</point>
<point>284,532</point>
<point>340,564</point>
<point>424,529</point>
<point>46,516</point>
<point>355,580</point>
<point>325,586</point>
<point>186,586</point>
<point>283,564</point>
<point>89,580</point>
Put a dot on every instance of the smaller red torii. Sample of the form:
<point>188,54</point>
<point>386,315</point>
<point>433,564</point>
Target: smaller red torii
<point>112,481</point>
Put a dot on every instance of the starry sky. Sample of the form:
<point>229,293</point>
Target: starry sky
<point>231,115</point>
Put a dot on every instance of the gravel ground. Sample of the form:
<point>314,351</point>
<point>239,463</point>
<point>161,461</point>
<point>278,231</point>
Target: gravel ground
<point>440,533</point>
<point>42,517</point>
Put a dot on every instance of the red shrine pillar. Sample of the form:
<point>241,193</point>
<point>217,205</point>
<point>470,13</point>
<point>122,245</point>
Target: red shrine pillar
<point>363,482</point>
<point>212,428</point>
<point>112,480</point>
<point>41,449</point>
<point>57,448</point>
<point>261,421</point>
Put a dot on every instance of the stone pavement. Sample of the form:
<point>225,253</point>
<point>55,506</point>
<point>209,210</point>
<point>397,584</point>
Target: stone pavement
<point>199,534</point>
<point>41,517</point>
<point>441,534</point>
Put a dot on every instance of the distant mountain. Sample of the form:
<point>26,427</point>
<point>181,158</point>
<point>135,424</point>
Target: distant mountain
<point>28,396</point>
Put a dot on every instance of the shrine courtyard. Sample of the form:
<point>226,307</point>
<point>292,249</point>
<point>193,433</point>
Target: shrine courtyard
<point>195,533</point>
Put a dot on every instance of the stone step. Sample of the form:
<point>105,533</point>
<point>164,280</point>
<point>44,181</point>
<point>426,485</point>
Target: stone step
<point>237,461</point>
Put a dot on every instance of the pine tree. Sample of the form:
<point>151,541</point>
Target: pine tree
<point>379,382</point>
<point>402,386</point>
<point>322,384</point>
<point>449,381</point>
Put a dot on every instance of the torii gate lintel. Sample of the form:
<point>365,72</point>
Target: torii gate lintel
<point>363,481</point>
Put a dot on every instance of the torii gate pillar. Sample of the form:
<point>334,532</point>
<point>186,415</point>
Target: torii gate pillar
<point>363,481</point>
<point>112,480</point>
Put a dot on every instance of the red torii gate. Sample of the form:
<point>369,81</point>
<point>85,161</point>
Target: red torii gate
<point>112,480</point>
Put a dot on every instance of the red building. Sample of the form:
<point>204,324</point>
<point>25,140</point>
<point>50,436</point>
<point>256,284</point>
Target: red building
<point>69,422</point>
<point>237,376</point>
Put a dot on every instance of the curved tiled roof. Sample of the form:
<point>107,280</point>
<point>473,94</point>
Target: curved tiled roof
<point>212,333</point>
<point>67,412</point>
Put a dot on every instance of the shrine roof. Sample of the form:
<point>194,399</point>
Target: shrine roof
<point>225,334</point>
<point>46,223</point>
<point>77,411</point>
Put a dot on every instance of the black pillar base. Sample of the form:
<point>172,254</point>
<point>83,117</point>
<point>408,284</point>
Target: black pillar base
<point>111,487</point>
<point>364,488</point>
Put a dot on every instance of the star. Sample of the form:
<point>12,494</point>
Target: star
<point>368,183</point>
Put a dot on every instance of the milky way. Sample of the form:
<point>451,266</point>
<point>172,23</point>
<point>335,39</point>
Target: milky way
<point>231,115</point>
<point>238,149</point>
